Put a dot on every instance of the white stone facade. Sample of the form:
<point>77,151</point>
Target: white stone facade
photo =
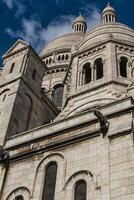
<point>89,135</point>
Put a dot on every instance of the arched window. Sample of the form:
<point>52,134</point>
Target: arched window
<point>63,57</point>
<point>3,95</point>
<point>50,60</point>
<point>59,58</point>
<point>80,190</point>
<point>34,74</point>
<point>19,197</point>
<point>12,68</point>
<point>66,56</point>
<point>99,68</point>
<point>28,111</point>
<point>123,67</point>
<point>57,95</point>
<point>87,73</point>
<point>50,181</point>
<point>46,61</point>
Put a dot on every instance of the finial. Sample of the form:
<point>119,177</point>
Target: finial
<point>80,13</point>
<point>108,4</point>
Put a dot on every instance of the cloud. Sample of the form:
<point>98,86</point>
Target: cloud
<point>17,5</point>
<point>9,3</point>
<point>33,32</point>
<point>59,2</point>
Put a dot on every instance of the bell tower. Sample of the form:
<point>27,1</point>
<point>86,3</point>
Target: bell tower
<point>22,104</point>
<point>108,14</point>
<point>79,25</point>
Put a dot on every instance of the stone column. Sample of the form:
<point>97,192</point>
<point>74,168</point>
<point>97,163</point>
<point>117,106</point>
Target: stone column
<point>94,69</point>
<point>129,70</point>
<point>92,72</point>
<point>4,165</point>
<point>104,68</point>
<point>111,61</point>
<point>83,77</point>
<point>118,67</point>
<point>2,178</point>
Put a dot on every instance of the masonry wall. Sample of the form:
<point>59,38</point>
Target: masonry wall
<point>107,166</point>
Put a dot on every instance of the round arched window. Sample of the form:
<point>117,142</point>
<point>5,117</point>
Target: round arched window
<point>19,197</point>
<point>57,95</point>
<point>80,190</point>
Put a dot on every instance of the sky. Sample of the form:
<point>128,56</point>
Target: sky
<point>40,21</point>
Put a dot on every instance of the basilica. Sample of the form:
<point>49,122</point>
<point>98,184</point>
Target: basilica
<point>67,115</point>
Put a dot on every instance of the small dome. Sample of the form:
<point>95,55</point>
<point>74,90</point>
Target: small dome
<point>108,8</point>
<point>80,19</point>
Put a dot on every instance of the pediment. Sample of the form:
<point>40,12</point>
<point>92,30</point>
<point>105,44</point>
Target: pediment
<point>19,44</point>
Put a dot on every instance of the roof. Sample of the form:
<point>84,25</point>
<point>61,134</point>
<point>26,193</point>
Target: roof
<point>63,42</point>
<point>108,8</point>
<point>80,19</point>
<point>101,33</point>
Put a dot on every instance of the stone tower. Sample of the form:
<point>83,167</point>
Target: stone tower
<point>22,105</point>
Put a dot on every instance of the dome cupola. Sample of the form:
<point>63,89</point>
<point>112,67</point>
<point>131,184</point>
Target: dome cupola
<point>108,14</point>
<point>79,25</point>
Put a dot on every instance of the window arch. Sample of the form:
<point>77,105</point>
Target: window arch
<point>99,68</point>
<point>57,95</point>
<point>50,181</point>
<point>12,68</point>
<point>123,67</point>
<point>19,197</point>
<point>87,73</point>
<point>34,74</point>
<point>80,191</point>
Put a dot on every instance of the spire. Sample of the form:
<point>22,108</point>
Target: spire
<point>108,14</point>
<point>79,25</point>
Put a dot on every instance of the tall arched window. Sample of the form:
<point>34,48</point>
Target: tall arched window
<point>66,56</point>
<point>123,67</point>
<point>12,68</point>
<point>59,58</point>
<point>57,95</point>
<point>50,181</point>
<point>99,68</point>
<point>87,73</point>
<point>80,192</point>
<point>19,197</point>
<point>34,74</point>
<point>63,57</point>
<point>28,108</point>
<point>3,95</point>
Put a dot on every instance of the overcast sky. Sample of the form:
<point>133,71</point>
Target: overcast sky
<point>40,21</point>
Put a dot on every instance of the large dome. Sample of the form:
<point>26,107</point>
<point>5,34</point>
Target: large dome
<point>61,43</point>
<point>102,33</point>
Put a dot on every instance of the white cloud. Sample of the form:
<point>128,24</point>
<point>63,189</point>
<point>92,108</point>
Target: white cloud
<point>59,2</point>
<point>17,4</point>
<point>32,31</point>
<point>9,3</point>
